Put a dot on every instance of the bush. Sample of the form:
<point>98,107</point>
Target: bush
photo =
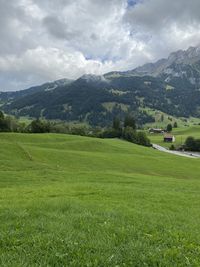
<point>78,131</point>
<point>110,133</point>
<point>192,144</point>
<point>169,128</point>
<point>175,124</point>
<point>116,124</point>
<point>9,124</point>
<point>129,121</point>
<point>133,136</point>
<point>142,139</point>
<point>129,134</point>
<point>172,147</point>
<point>38,126</point>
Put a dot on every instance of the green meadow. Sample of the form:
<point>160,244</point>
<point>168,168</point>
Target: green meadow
<point>180,135</point>
<point>78,201</point>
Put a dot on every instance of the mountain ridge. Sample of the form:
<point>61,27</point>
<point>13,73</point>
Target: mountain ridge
<point>170,85</point>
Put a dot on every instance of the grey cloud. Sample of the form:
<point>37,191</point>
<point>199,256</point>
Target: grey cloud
<point>16,28</point>
<point>58,28</point>
<point>47,39</point>
<point>94,36</point>
<point>10,17</point>
<point>158,15</point>
<point>164,26</point>
<point>52,5</point>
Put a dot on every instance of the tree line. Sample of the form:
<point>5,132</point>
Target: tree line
<point>10,124</point>
<point>126,129</point>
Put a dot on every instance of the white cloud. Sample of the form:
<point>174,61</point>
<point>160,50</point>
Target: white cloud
<point>47,40</point>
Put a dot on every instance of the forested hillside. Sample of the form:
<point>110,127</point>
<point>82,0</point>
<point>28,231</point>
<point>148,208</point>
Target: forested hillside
<point>170,85</point>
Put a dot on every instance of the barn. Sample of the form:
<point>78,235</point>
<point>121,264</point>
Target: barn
<point>168,138</point>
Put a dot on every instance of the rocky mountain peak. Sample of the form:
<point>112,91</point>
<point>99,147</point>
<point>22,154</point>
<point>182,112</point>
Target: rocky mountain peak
<point>181,57</point>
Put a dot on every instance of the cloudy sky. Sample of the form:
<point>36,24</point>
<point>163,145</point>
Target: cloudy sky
<point>45,40</point>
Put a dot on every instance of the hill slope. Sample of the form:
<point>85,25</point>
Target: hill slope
<point>170,85</point>
<point>8,97</point>
<point>77,201</point>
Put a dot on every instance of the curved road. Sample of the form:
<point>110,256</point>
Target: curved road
<point>178,153</point>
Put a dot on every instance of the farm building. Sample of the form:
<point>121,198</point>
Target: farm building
<point>154,130</point>
<point>169,138</point>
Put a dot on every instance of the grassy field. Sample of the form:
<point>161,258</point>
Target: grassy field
<point>78,201</point>
<point>162,119</point>
<point>180,134</point>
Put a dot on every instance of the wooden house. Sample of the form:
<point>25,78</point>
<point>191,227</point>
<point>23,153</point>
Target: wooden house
<point>168,138</point>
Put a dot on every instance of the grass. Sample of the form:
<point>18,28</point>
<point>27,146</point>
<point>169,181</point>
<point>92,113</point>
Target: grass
<point>180,135</point>
<point>109,106</point>
<point>25,120</point>
<point>78,201</point>
<point>163,119</point>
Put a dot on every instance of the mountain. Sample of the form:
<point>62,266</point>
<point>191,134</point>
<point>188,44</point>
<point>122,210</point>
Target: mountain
<point>170,85</point>
<point>188,57</point>
<point>49,86</point>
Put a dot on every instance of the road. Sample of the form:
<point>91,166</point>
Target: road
<point>178,153</point>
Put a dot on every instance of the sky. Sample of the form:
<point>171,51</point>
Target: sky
<point>46,40</point>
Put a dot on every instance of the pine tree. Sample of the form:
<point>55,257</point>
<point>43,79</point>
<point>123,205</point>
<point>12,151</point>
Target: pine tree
<point>116,123</point>
<point>129,121</point>
<point>175,125</point>
<point>169,128</point>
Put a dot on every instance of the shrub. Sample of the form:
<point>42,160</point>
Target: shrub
<point>172,147</point>
<point>142,139</point>
<point>175,124</point>
<point>110,133</point>
<point>38,126</point>
<point>130,134</point>
<point>192,144</point>
<point>169,127</point>
<point>129,121</point>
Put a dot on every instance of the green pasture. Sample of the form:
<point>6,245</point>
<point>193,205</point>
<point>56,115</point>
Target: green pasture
<point>180,135</point>
<point>163,119</point>
<point>78,201</point>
